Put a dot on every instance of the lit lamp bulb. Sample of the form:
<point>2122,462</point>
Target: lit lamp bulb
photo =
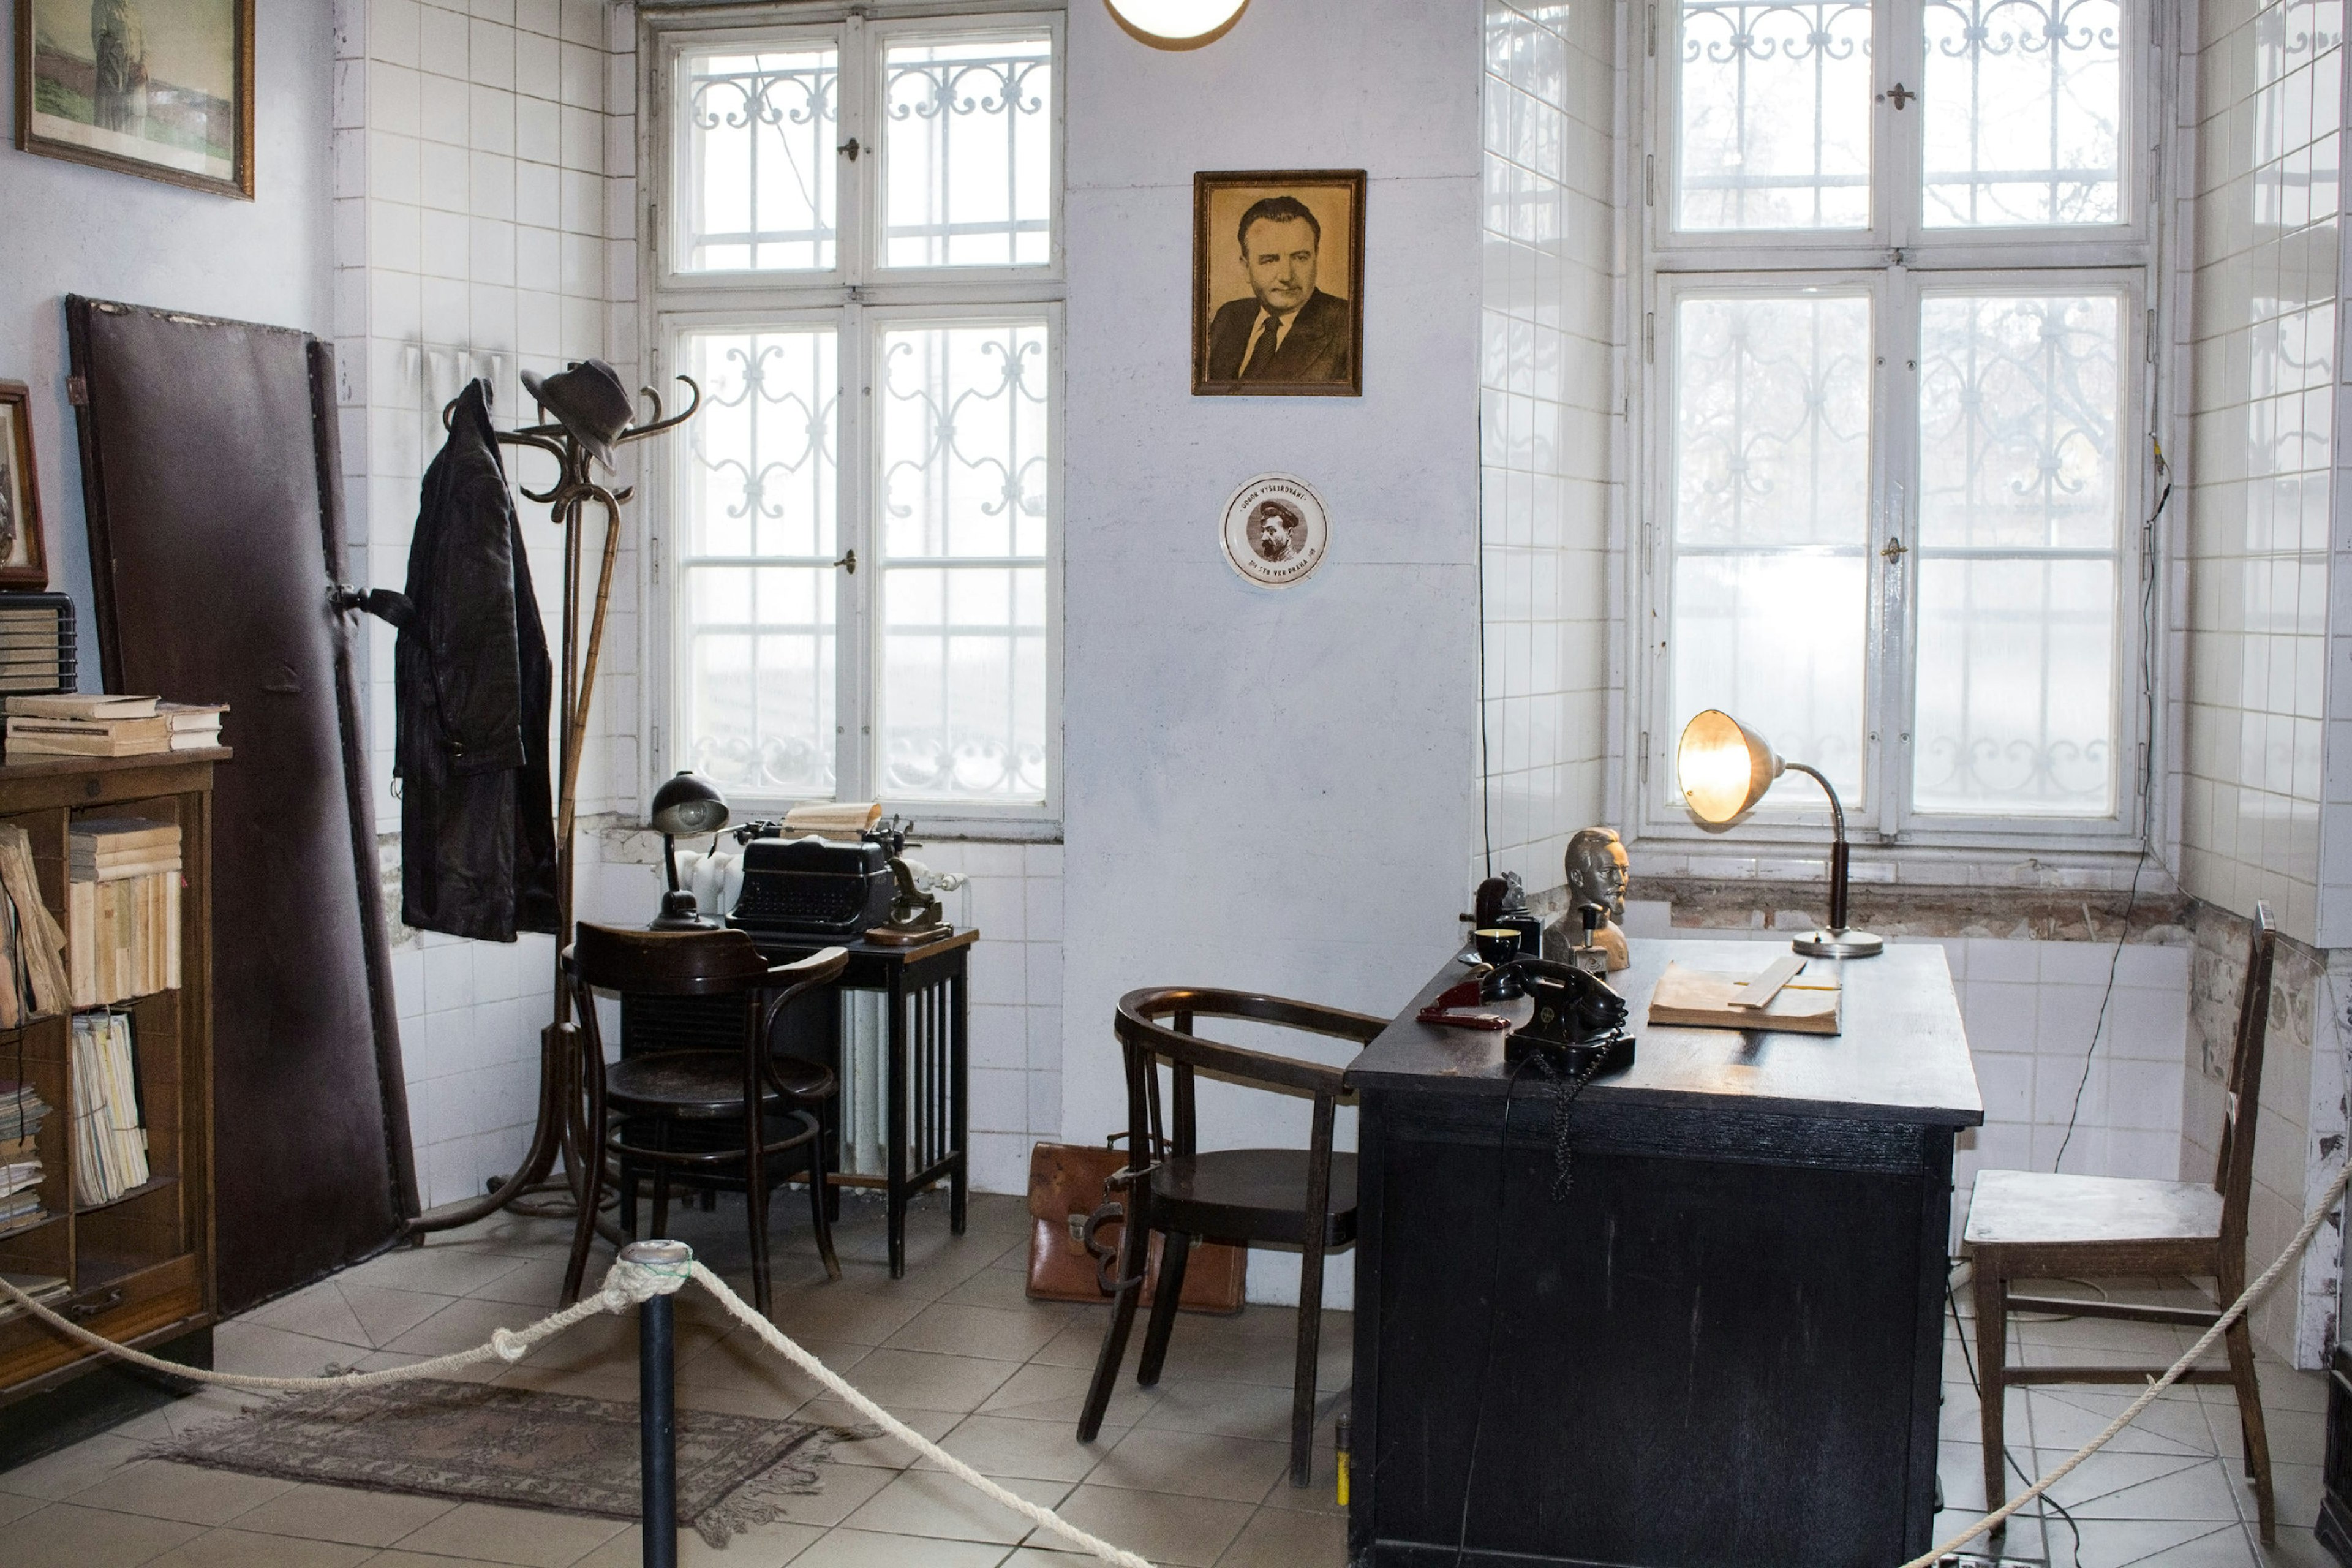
<point>1177,24</point>
<point>1723,768</point>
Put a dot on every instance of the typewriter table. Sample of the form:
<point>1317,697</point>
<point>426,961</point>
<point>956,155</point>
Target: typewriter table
<point>925,1062</point>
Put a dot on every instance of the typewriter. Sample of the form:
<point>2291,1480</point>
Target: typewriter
<point>812,887</point>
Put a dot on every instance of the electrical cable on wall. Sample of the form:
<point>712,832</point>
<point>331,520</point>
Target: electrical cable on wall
<point>2152,566</point>
<point>1485,765</point>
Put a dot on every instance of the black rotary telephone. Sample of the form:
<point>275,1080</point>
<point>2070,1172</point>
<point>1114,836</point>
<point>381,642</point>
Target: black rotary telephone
<point>1579,1020</point>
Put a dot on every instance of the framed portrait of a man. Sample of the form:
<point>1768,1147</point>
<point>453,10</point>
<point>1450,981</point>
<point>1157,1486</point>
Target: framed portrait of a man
<point>158,88</point>
<point>1278,283</point>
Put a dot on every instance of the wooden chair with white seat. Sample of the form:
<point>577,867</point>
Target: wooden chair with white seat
<point>2027,1224</point>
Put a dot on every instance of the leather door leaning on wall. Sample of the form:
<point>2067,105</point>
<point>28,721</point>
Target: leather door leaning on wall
<point>213,481</point>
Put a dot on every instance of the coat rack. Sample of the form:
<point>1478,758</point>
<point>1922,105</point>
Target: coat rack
<point>560,1127</point>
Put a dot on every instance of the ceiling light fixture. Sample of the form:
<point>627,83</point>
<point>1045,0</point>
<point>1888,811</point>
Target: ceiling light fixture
<point>1177,24</point>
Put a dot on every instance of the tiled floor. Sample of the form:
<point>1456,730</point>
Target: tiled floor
<point>1192,1473</point>
<point>2168,1490</point>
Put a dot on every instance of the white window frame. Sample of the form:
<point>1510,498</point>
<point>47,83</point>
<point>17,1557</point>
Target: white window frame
<point>1898,262</point>
<point>860,298</point>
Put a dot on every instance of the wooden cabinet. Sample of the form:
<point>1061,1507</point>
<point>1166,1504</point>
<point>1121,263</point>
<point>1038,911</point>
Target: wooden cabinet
<point>141,1267</point>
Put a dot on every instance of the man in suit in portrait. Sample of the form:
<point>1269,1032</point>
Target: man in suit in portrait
<point>1290,330</point>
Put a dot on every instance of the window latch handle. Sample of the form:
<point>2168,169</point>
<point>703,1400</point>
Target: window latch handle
<point>850,148</point>
<point>1893,548</point>
<point>1900,94</point>
<point>849,560</point>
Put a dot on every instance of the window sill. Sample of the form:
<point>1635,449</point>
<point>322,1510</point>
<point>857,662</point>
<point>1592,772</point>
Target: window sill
<point>1666,906</point>
<point>1758,859</point>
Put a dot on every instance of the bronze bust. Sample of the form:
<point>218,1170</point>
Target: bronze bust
<point>1595,869</point>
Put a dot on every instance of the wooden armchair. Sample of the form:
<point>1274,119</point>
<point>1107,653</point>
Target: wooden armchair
<point>2025,1225</point>
<point>763,1100</point>
<point>1300,1197</point>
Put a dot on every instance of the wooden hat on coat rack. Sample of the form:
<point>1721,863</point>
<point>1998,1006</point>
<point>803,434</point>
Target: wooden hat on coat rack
<point>557,1131</point>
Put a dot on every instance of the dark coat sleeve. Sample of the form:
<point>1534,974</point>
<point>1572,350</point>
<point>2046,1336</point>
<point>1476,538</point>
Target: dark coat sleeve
<point>470,629</point>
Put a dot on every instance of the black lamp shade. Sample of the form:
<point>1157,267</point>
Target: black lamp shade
<point>688,805</point>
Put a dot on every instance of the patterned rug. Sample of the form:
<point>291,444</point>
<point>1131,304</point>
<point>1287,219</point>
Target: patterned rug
<point>475,1443</point>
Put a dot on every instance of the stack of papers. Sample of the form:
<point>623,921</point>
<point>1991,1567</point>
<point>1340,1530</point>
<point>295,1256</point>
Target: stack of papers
<point>110,1137</point>
<point>22,1111</point>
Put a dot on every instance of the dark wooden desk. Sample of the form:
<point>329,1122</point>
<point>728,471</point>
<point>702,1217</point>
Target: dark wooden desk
<point>927,1063</point>
<point>1722,1349</point>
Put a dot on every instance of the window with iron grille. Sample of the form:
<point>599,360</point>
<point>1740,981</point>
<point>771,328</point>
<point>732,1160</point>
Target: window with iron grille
<point>1895,332</point>
<point>858,261</point>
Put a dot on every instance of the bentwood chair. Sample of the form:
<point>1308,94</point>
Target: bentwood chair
<point>1287,1197</point>
<point>634,1106</point>
<point>2026,1224</point>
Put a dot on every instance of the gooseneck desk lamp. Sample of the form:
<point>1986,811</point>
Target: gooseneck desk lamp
<point>688,805</point>
<point>1723,768</point>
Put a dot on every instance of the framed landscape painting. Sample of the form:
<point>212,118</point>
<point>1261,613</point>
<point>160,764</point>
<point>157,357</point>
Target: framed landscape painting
<point>23,563</point>
<point>159,87</point>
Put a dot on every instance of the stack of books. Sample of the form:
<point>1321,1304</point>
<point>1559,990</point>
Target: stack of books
<point>100,725</point>
<point>110,1133</point>
<point>122,908</point>
<point>195,726</point>
<point>22,1111</point>
<point>72,724</point>
<point>37,642</point>
<point>32,944</point>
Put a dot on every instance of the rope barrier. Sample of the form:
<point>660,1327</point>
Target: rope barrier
<point>629,1283</point>
<point>1037,1513</point>
<point>626,1284</point>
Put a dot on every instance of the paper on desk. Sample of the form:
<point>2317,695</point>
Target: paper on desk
<point>1703,998</point>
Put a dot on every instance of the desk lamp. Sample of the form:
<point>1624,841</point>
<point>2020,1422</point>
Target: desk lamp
<point>1723,768</point>
<point>687,803</point>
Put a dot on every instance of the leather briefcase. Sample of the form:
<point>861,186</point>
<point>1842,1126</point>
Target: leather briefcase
<point>1068,1183</point>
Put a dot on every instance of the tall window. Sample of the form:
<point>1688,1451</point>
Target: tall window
<point>1894,341</point>
<point>860,266</point>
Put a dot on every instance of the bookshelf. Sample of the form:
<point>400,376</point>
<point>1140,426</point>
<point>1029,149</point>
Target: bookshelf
<point>139,1266</point>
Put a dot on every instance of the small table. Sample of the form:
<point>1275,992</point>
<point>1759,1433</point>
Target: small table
<point>926,1073</point>
<point>1722,1348</point>
<point>926,1062</point>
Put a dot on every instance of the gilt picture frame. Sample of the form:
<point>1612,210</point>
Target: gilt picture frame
<point>162,89</point>
<point>1278,283</point>
<point>24,560</point>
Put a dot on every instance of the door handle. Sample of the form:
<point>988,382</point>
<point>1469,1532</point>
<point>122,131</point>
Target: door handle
<point>1893,550</point>
<point>849,560</point>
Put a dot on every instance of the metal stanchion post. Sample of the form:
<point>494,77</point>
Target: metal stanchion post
<point>657,1403</point>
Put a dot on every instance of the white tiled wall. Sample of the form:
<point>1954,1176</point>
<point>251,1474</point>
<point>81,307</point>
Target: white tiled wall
<point>2264,214</point>
<point>2030,1009</point>
<point>1545,425</point>
<point>473,150</point>
<point>1015,900</point>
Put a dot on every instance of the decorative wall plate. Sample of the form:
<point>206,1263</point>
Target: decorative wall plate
<point>1276,530</point>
